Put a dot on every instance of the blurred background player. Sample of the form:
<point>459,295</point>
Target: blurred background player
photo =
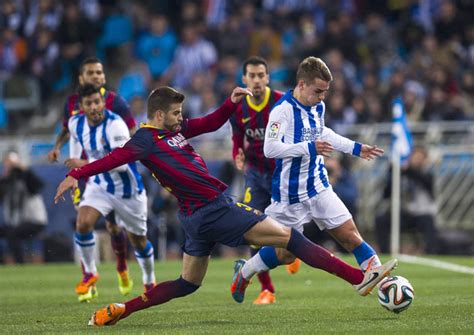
<point>92,72</point>
<point>97,132</point>
<point>297,137</point>
<point>248,130</point>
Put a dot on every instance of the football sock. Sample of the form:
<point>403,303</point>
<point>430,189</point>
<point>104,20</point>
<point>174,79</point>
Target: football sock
<point>266,281</point>
<point>320,258</point>
<point>85,246</point>
<point>119,246</point>
<point>363,253</point>
<point>145,259</point>
<point>160,294</point>
<point>264,260</point>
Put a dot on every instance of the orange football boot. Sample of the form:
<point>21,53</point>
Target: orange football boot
<point>293,267</point>
<point>265,298</point>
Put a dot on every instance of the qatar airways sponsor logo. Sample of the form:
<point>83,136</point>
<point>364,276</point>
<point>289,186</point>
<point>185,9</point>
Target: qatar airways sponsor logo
<point>177,141</point>
<point>258,133</point>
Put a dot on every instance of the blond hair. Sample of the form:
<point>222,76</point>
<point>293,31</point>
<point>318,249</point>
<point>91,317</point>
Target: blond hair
<point>311,68</point>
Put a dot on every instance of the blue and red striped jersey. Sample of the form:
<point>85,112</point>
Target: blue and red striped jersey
<point>113,102</point>
<point>248,130</point>
<point>171,159</point>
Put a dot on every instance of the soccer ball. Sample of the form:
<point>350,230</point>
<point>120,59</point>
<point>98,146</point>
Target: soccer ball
<point>396,294</point>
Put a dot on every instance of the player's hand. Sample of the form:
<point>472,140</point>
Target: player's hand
<point>240,160</point>
<point>66,184</point>
<point>323,148</point>
<point>370,152</point>
<point>73,163</point>
<point>239,93</point>
<point>53,155</point>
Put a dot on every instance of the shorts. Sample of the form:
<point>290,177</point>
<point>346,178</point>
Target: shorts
<point>325,209</point>
<point>221,221</point>
<point>130,214</point>
<point>258,189</point>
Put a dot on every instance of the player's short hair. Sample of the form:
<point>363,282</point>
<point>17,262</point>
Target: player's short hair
<point>89,60</point>
<point>161,99</point>
<point>86,90</point>
<point>311,68</point>
<point>254,60</point>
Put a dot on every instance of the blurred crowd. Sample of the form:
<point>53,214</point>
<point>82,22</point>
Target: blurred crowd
<point>375,49</point>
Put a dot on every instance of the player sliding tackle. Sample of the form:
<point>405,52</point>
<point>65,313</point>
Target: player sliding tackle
<point>297,137</point>
<point>207,216</point>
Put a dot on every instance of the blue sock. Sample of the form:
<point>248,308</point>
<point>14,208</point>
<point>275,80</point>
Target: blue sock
<point>363,252</point>
<point>269,257</point>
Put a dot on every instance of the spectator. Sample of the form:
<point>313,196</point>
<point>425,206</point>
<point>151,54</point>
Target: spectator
<point>157,46</point>
<point>418,205</point>
<point>24,209</point>
<point>194,54</point>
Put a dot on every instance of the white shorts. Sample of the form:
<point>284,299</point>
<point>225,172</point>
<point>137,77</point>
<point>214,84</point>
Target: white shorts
<point>325,209</point>
<point>130,214</point>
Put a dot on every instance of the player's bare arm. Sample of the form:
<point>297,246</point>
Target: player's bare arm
<point>370,152</point>
<point>62,138</point>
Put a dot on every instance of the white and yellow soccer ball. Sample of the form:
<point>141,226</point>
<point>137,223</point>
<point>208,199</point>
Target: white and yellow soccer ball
<point>396,294</point>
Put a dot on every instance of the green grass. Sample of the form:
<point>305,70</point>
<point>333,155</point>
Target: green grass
<point>41,299</point>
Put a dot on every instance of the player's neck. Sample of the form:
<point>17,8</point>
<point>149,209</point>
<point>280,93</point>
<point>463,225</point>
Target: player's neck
<point>260,99</point>
<point>297,95</point>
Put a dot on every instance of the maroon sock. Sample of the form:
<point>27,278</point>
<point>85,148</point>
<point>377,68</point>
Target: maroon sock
<point>266,281</point>
<point>119,245</point>
<point>159,294</point>
<point>318,257</point>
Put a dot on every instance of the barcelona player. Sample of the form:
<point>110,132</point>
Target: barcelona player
<point>92,72</point>
<point>207,216</point>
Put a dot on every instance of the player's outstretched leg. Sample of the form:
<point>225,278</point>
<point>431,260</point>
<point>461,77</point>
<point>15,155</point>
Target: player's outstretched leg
<point>316,257</point>
<point>161,293</point>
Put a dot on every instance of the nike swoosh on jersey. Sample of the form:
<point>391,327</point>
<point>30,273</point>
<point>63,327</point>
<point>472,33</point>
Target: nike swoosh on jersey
<point>161,137</point>
<point>246,119</point>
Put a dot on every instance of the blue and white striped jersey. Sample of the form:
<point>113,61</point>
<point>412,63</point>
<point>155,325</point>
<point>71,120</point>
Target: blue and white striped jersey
<point>291,132</point>
<point>97,142</point>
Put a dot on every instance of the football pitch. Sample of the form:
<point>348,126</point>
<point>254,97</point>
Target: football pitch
<point>38,299</point>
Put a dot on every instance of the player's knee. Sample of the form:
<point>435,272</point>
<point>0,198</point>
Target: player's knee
<point>138,242</point>
<point>186,287</point>
<point>83,225</point>
<point>112,227</point>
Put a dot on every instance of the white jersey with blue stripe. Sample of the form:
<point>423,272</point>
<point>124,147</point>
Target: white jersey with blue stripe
<point>291,132</point>
<point>98,141</point>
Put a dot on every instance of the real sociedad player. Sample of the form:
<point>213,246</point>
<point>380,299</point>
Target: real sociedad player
<point>92,72</point>
<point>96,132</point>
<point>207,216</point>
<point>297,137</point>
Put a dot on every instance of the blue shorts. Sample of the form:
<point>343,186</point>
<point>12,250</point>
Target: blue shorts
<point>221,221</point>
<point>258,189</point>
